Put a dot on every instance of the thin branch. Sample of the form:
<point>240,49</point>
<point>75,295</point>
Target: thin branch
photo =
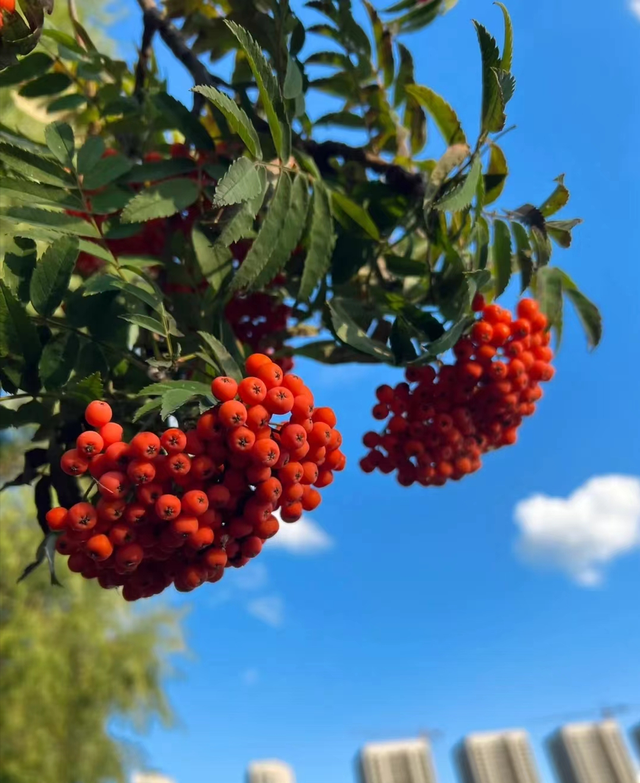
<point>401,180</point>
<point>146,52</point>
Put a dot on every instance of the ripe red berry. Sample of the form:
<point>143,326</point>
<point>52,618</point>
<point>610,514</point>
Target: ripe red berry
<point>254,361</point>
<point>73,463</point>
<point>270,374</point>
<point>252,391</point>
<point>99,547</point>
<point>145,445</point>
<point>232,414</point>
<point>173,441</point>
<point>168,507</point>
<point>56,518</point>
<point>224,388</point>
<point>279,400</point>
<point>110,433</point>
<point>98,413</point>
<point>141,471</point>
<point>113,485</point>
<point>89,443</point>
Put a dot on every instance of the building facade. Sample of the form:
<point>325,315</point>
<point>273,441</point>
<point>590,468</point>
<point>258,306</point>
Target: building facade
<point>270,772</point>
<point>591,753</point>
<point>497,757</point>
<point>408,761</point>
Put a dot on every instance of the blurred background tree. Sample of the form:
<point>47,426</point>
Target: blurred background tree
<point>71,660</point>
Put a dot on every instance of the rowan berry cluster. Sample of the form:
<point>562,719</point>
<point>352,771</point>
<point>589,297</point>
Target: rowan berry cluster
<point>180,507</point>
<point>6,6</point>
<point>442,420</point>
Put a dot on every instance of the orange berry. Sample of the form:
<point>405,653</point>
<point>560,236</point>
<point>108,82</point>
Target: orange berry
<point>111,433</point>
<point>294,383</point>
<point>89,443</point>
<point>140,471</point>
<point>56,518</point>
<point>173,440</point>
<point>252,391</point>
<point>200,538</point>
<point>527,308</point>
<point>224,388</point>
<point>270,374</point>
<point>232,414</point>
<point>129,556</point>
<point>325,477</point>
<point>254,361</point>
<point>148,494</point>
<point>113,485</point>
<point>99,547</point>
<point>251,547</point>
<point>145,445</point>
<point>195,502</point>
<point>121,534</point>
<point>325,415</point>
<point>279,400</point>
<point>98,413</point>
<point>241,439</point>
<point>110,510</point>
<point>267,528</point>
<point>180,464</point>
<point>73,463</point>
<point>520,328</point>
<point>265,452</point>
<point>481,332</point>
<point>501,333</point>
<point>218,495</point>
<point>168,507</point>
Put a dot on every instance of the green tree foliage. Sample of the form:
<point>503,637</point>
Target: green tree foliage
<point>133,266</point>
<point>71,660</point>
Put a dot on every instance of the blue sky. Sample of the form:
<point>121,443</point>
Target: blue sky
<point>411,609</point>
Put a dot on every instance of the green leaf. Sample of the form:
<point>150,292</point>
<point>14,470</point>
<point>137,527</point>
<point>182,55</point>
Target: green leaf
<point>160,388</point>
<point>549,295</point>
<point>416,121</point>
<point>161,200</point>
<point>173,400</point>
<point>34,166</point>
<point>106,170</point>
<point>268,89</point>
<point>49,84</point>
<point>86,389</point>
<point>384,47</point>
<point>18,265</point>
<point>588,313</point>
<point>442,113</point>
<point>400,341</point>
<point>348,331</point>
<point>236,118</point>
<point>58,359</point>
<point>493,116</point>
<point>145,322</point>
<point>501,256</point>
<point>149,406</point>
<point>292,86</point>
<point>221,356</point>
<point>215,260</point>
<point>523,255</point>
<point>558,199</point>
<point>461,195</point>
<point>31,193</point>
<point>99,284</point>
<point>61,142</point>
<point>322,240</point>
<point>541,245</point>
<point>176,115</point>
<point>161,169</point>
<point>50,279</point>
<point>265,243</point>
<point>560,231</point>
<point>59,222</point>
<point>18,336</point>
<point>345,119</point>
<point>452,158</point>
<point>110,200</point>
<point>46,551</point>
<point>446,342</point>
<point>67,103</point>
<point>333,59</point>
<point>507,50</point>
<point>357,213</point>
<point>89,154</point>
<point>290,234</point>
<point>240,183</point>
<point>496,175</point>
<point>34,64</point>
<point>405,76</point>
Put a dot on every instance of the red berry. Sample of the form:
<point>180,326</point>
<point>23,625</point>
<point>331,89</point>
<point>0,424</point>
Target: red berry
<point>98,413</point>
<point>224,388</point>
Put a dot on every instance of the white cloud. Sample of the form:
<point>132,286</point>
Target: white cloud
<point>269,609</point>
<point>250,677</point>
<point>300,538</point>
<point>634,5</point>
<point>583,533</point>
<point>254,576</point>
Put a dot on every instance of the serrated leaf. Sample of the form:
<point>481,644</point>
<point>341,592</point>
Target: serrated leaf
<point>400,341</point>
<point>50,279</point>
<point>415,120</point>
<point>549,295</point>
<point>357,213</point>
<point>265,243</point>
<point>452,158</point>
<point>506,60</point>
<point>34,166</point>
<point>461,196</point>
<point>501,256</point>
<point>541,245</point>
<point>495,177</point>
<point>99,284</point>
<point>560,231</point>
<point>60,140</point>
<point>58,222</point>
<point>158,389</point>
<point>240,183</point>
<point>173,400</point>
<point>330,352</point>
<point>333,59</point>
<point>345,119</point>
<point>18,335</point>
<point>215,260</point>
<point>446,341</point>
<point>106,170</point>
<point>86,389</point>
<point>90,154</point>
<point>348,331</point>
<point>49,84</point>
<point>322,240</point>
<point>268,89</point>
<point>523,255</point>
<point>384,47</point>
<point>149,406</point>
<point>160,169</point>
<point>507,84</point>
<point>493,116</point>
<point>236,118</point>
<point>221,356</point>
<point>58,359</point>
<point>18,265</point>
<point>588,313</point>
<point>405,76</point>
<point>442,113</point>
<point>31,193</point>
<point>176,115</point>
<point>161,200</point>
<point>290,234</point>
<point>151,324</point>
<point>34,64</point>
<point>292,86</point>
<point>558,199</point>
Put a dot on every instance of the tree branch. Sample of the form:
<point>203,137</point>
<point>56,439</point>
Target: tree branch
<point>403,181</point>
<point>146,51</point>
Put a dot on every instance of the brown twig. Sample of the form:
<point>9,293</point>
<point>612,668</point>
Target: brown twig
<point>146,51</point>
<point>403,181</point>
